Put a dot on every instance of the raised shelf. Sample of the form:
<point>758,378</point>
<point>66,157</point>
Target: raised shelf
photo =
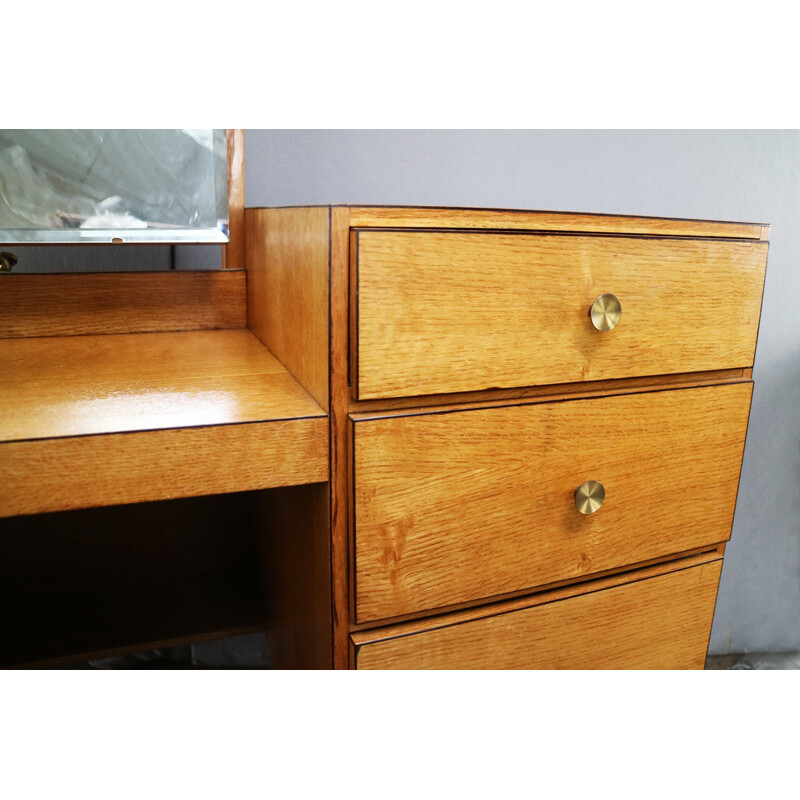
<point>110,419</point>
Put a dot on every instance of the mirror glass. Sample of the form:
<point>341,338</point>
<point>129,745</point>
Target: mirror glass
<point>88,186</point>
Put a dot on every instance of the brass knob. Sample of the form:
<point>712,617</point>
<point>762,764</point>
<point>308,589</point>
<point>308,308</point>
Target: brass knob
<point>605,312</point>
<point>589,497</point>
<point>7,262</point>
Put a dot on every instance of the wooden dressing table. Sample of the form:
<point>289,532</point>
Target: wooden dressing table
<point>398,439</point>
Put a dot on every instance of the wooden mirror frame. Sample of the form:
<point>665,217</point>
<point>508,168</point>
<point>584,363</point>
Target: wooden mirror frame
<point>233,252</point>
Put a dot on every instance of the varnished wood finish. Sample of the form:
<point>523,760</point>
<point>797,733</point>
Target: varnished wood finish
<point>377,632</point>
<point>297,577</point>
<point>339,467</point>
<point>702,554</point>
<point>660,622</point>
<point>367,409</point>
<point>454,312</point>
<point>233,253</point>
<point>451,507</point>
<point>180,414</point>
<point>108,303</point>
<point>77,385</point>
<point>86,471</point>
<point>297,262</point>
<point>502,219</point>
<point>120,419</point>
<point>287,290</point>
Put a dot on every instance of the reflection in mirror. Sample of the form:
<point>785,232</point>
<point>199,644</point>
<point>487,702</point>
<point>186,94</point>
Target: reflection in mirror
<point>84,186</point>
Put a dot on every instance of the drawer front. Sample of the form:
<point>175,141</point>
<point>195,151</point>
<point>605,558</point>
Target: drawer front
<point>452,507</point>
<point>453,312</point>
<point>656,623</point>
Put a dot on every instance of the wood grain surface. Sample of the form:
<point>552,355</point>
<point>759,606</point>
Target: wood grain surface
<point>420,217</point>
<point>107,303</point>
<point>233,253</point>
<point>41,475</point>
<point>452,312</point>
<point>340,440</point>
<point>660,622</point>
<point>456,506</point>
<point>181,415</point>
<point>287,290</point>
<point>78,385</point>
<point>367,409</point>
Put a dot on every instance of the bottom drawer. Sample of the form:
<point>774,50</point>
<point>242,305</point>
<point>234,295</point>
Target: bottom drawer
<point>651,621</point>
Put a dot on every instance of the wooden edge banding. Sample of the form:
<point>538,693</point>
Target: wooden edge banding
<point>233,251</point>
<point>361,637</point>
<point>76,304</point>
<point>43,475</point>
<point>353,343</point>
<point>407,217</point>
<point>339,406</point>
<point>371,409</point>
<point>351,520</point>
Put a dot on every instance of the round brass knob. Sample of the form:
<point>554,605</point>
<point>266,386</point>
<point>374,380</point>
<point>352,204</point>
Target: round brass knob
<point>605,312</point>
<point>7,262</point>
<point>589,497</point>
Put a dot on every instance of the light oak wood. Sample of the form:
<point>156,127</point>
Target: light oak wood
<point>287,290</point>
<point>455,312</point>
<point>340,455</point>
<point>77,304</point>
<point>456,506</point>
<point>499,219</point>
<point>233,253</point>
<point>367,409</point>
<point>178,415</point>
<point>660,622</point>
<point>704,554</point>
<point>78,385</point>
<point>378,631</point>
<point>42,475</point>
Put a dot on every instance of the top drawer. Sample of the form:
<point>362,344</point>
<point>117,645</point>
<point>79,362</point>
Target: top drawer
<point>453,311</point>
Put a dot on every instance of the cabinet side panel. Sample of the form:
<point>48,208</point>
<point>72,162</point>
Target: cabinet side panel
<point>296,572</point>
<point>339,439</point>
<point>287,289</point>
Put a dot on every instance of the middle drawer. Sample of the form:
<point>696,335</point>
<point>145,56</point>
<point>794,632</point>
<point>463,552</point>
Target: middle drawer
<point>459,505</point>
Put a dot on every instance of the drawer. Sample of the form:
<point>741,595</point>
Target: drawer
<point>439,312</point>
<point>660,622</point>
<point>455,506</point>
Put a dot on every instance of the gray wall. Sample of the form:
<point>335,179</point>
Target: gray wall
<point>751,176</point>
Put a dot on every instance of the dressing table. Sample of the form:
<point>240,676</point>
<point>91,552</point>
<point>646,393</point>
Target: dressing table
<point>388,438</point>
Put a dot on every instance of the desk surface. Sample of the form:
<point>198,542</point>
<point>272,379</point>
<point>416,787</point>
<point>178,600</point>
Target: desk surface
<point>98,420</point>
<point>80,385</point>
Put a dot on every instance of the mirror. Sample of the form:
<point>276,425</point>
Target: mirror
<point>101,186</point>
